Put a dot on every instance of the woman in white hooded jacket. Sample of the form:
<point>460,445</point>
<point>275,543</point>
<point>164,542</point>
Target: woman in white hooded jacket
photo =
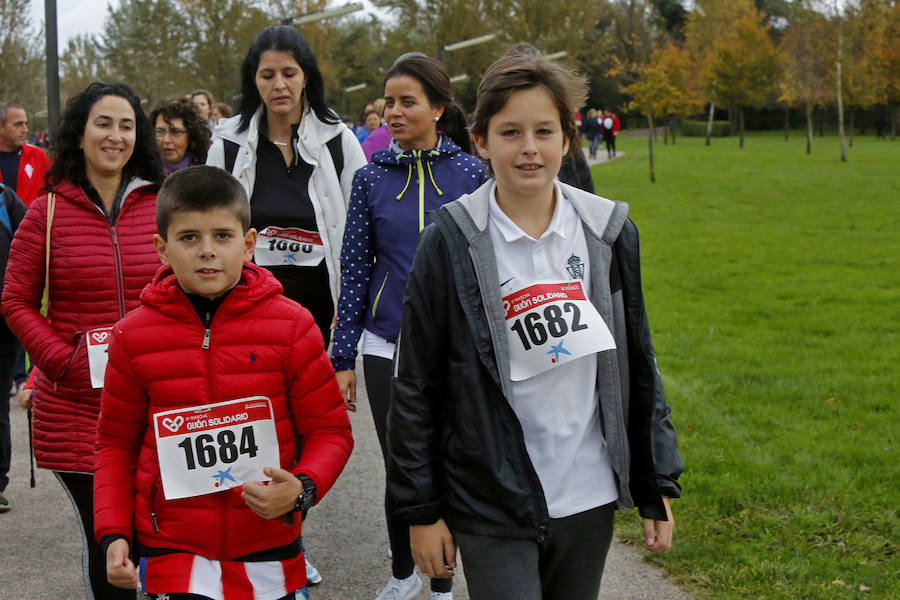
<point>296,161</point>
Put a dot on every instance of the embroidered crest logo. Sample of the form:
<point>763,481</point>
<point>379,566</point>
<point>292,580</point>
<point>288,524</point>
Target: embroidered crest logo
<point>576,267</point>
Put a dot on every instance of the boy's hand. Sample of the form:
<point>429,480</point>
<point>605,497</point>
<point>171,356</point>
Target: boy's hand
<point>120,571</point>
<point>658,534</point>
<point>347,382</point>
<point>273,498</point>
<point>433,549</point>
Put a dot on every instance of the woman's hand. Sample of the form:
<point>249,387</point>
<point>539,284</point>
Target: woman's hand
<point>347,382</point>
<point>24,398</point>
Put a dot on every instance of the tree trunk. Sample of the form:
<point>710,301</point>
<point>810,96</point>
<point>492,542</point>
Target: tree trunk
<point>666,134</point>
<point>840,95</point>
<point>650,142</point>
<point>809,127</point>
<point>675,126</point>
<point>852,126</point>
<point>741,124</point>
<point>787,122</point>
<point>709,123</point>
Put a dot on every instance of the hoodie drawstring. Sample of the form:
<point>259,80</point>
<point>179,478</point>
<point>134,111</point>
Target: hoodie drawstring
<point>420,175</point>
<point>408,177</point>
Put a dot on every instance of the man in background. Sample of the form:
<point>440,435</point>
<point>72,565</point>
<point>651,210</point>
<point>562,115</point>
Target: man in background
<point>22,166</point>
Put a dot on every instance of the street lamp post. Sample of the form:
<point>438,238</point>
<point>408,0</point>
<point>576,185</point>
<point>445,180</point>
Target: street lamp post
<point>325,14</point>
<point>52,63</point>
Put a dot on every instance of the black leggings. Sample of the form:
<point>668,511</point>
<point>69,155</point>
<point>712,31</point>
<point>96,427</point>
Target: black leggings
<point>80,488</point>
<point>378,386</point>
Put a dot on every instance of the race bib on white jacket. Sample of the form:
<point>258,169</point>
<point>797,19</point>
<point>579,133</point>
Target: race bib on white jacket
<point>288,246</point>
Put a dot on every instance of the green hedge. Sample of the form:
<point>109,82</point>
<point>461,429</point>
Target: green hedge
<point>698,128</point>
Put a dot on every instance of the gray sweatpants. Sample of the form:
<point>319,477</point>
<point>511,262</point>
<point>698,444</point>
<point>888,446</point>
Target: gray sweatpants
<point>566,565</point>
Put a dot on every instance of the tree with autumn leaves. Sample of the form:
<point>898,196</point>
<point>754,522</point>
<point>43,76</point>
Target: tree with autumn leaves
<point>745,68</point>
<point>663,88</point>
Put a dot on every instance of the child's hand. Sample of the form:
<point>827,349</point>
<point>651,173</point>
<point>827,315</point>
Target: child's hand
<point>433,549</point>
<point>658,534</point>
<point>120,571</point>
<point>274,498</point>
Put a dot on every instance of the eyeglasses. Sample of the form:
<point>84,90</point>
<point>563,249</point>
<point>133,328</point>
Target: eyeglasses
<point>173,133</point>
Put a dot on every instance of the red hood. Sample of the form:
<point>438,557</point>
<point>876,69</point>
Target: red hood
<point>163,292</point>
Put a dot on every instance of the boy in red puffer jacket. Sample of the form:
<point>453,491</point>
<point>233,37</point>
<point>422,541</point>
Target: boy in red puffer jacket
<point>214,387</point>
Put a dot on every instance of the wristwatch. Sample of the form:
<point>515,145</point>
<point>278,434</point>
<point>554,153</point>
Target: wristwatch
<point>307,495</point>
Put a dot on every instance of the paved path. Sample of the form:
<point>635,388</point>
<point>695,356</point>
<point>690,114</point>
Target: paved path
<point>345,535</point>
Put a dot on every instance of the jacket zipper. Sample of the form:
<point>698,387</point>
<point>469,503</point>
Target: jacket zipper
<point>71,360</point>
<point>117,257</point>
<point>120,285</point>
<point>541,501</point>
<point>420,173</point>
<point>378,295</point>
<point>206,344</point>
<point>153,494</point>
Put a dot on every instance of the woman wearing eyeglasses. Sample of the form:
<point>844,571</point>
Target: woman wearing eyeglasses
<point>182,136</point>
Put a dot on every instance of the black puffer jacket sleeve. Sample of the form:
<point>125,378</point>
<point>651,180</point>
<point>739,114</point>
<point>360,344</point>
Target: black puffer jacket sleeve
<point>648,406</point>
<point>415,417</point>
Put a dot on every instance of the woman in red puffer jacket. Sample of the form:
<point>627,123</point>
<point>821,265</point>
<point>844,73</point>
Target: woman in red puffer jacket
<point>101,212</point>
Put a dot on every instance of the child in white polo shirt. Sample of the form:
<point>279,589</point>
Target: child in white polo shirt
<point>527,404</point>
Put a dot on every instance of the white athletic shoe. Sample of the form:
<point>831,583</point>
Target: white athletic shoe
<point>400,589</point>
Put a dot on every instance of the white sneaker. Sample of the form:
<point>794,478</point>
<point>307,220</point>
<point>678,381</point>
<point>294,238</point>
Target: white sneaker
<point>400,589</point>
<point>441,595</point>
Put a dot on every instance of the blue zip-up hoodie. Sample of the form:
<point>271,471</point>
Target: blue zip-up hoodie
<point>388,208</point>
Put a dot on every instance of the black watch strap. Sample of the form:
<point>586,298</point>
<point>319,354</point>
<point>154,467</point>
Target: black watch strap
<point>307,496</point>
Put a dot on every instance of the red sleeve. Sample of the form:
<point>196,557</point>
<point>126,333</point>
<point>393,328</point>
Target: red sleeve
<point>317,409</point>
<point>23,291</point>
<point>120,434</point>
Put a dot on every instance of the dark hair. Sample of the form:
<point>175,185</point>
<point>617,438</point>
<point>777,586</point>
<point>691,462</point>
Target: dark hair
<point>282,38</point>
<point>432,75</point>
<point>224,109</point>
<point>200,189</point>
<point>523,67</point>
<point>197,130</point>
<point>68,158</point>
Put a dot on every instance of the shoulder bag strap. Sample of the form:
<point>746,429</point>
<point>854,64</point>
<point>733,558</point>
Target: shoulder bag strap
<point>51,210</point>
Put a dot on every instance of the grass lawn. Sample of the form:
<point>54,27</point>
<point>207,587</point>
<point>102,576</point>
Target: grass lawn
<point>772,282</point>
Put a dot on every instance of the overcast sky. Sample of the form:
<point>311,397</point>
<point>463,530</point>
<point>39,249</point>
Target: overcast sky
<point>86,16</point>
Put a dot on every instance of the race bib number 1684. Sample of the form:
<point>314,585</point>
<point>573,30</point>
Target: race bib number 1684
<point>215,447</point>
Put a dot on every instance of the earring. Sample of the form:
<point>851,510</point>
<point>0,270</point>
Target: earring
<point>437,118</point>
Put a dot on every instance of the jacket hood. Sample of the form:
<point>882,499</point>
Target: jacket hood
<point>163,292</point>
<point>311,134</point>
<point>419,161</point>
<point>70,189</point>
<point>602,217</point>
<point>392,157</point>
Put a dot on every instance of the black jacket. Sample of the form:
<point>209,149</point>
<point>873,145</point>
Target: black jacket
<point>15,208</point>
<point>457,450</point>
